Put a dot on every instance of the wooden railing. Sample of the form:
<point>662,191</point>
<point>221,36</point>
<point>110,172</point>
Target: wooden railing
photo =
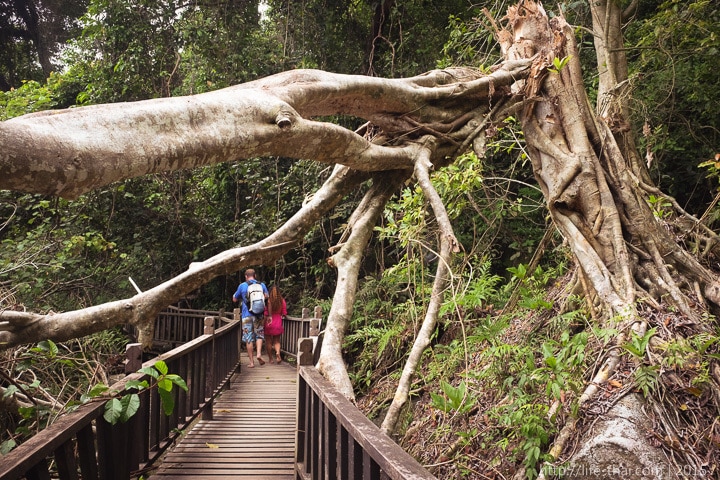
<point>176,326</point>
<point>335,440</point>
<point>83,445</point>
<point>302,327</point>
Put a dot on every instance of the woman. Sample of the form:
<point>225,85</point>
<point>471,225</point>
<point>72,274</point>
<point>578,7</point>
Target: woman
<point>275,314</point>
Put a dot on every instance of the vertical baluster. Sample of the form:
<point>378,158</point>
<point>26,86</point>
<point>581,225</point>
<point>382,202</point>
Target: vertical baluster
<point>86,452</point>
<point>356,459</point>
<point>65,461</point>
<point>371,471</point>
<point>302,434</point>
<point>207,413</point>
<point>112,450</point>
<point>316,461</point>
<point>39,471</point>
<point>330,441</point>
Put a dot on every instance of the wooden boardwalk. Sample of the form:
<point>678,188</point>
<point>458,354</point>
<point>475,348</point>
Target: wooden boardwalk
<point>252,434</point>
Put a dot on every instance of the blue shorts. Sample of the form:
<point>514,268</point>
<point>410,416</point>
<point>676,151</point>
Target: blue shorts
<point>253,329</point>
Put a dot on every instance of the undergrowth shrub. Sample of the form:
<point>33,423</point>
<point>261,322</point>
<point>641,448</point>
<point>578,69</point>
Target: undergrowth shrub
<point>48,379</point>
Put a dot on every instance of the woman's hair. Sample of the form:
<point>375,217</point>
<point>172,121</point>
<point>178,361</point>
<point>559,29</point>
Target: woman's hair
<point>275,300</point>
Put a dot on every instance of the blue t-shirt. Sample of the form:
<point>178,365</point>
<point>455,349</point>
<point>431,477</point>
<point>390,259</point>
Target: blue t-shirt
<point>241,294</point>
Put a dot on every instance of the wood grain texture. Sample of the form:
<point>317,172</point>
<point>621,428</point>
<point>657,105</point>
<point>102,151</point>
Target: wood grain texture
<point>252,434</point>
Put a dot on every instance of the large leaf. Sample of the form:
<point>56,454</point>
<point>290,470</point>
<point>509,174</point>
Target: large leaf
<point>167,400</point>
<point>130,404</point>
<point>113,411</point>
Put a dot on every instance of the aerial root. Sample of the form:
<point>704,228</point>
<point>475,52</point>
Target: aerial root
<point>422,174</point>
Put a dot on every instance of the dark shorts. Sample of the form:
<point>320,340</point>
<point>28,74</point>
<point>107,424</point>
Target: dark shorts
<point>253,329</point>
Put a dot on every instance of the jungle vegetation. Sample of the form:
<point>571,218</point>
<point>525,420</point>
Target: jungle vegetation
<point>493,289</point>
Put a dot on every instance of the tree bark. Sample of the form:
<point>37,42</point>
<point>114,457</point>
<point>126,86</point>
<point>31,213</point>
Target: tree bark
<point>590,175</point>
<point>70,152</point>
<point>348,260</point>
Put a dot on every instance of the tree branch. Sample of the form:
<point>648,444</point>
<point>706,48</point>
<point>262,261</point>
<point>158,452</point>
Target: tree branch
<point>141,310</point>
<point>448,244</point>
<point>348,261</point>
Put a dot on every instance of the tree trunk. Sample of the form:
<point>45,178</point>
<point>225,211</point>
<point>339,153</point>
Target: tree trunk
<point>634,269</point>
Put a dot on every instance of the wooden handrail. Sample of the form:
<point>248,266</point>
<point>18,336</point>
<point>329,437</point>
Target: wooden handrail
<point>175,326</point>
<point>82,442</point>
<point>335,440</point>
<point>300,327</point>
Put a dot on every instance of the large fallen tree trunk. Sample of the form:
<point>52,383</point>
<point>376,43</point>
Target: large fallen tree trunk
<point>70,152</point>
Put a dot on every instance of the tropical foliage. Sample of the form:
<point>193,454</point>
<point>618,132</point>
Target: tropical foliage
<point>512,350</point>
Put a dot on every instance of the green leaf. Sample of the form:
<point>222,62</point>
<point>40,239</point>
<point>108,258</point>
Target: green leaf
<point>27,412</point>
<point>637,344</point>
<point>456,395</point>
<point>136,385</point>
<point>149,371</point>
<point>164,384</point>
<point>559,64</point>
<point>177,380</point>
<point>161,367</point>
<point>10,391</point>
<point>167,400</point>
<point>555,390</point>
<point>6,446</point>
<point>130,404</point>
<point>439,402</point>
<point>113,411</point>
<point>551,362</point>
<point>49,347</point>
<point>633,349</point>
<point>98,390</point>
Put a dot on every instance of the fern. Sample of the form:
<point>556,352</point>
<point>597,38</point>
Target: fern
<point>646,378</point>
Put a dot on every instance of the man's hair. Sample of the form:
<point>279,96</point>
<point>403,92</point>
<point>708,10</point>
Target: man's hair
<point>249,272</point>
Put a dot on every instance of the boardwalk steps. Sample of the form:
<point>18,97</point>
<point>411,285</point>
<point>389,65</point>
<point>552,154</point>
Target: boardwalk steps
<point>251,435</point>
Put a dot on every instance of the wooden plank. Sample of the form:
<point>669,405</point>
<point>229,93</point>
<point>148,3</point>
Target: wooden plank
<point>379,451</point>
<point>251,434</point>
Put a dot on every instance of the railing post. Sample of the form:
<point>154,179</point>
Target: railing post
<point>207,413</point>
<point>305,352</point>
<point>236,317</point>
<point>133,357</point>
<point>209,326</point>
<point>315,322</point>
<point>304,332</point>
<point>315,333</point>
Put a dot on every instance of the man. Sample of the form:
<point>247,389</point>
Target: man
<point>252,323</point>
